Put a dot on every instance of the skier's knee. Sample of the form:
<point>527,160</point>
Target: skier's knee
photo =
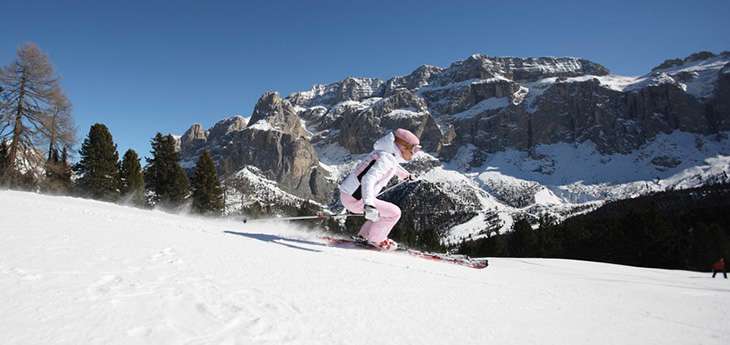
<point>397,213</point>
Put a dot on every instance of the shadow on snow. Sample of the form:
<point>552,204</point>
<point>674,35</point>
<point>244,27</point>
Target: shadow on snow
<point>279,240</point>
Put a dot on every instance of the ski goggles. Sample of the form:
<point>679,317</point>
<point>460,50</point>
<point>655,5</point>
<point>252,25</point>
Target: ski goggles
<point>414,148</point>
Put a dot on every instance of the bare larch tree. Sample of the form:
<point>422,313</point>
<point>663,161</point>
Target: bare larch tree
<point>33,112</point>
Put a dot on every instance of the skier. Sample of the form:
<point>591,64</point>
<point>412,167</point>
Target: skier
<point>719,266</point>
<point>358,190</point>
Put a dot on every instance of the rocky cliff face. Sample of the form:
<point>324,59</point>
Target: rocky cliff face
<point>480,67</point>
<point>349,89</point>
<point>196,138</point>
<point>499,103</point>
<point>420,77</point>
<point>360,129</point>
<point>289,160</point>
<point>525,136</point>
<point>274,141</point>
<point>719,106</point>
<point>272,111</point>
<point>193,140</point>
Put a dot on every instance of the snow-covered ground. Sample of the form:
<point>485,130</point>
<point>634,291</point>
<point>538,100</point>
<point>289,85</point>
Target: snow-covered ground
<point>75,271</point>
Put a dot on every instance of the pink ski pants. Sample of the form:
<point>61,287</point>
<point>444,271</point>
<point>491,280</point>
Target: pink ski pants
<point>373,231</point>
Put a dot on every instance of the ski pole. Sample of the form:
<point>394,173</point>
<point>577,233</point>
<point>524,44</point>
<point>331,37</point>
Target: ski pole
<point>394,186</point>
<point>319,216</point>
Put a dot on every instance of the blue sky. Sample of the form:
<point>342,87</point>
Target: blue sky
<point>146,66</point>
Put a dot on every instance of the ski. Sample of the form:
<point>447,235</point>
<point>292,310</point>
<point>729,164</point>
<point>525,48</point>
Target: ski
<point>457,259</point>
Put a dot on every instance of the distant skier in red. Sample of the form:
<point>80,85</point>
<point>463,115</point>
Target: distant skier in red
<point>719,266</point>
<point>359,190</point>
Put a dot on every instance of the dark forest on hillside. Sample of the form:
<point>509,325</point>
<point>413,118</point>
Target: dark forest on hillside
<point>680,229</point>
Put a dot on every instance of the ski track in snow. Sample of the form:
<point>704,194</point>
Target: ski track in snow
<point>76,271</point>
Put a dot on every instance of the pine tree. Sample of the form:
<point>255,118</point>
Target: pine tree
<point>180,190</point>
<point>156,171</point>
<point>164,177</point>
<point>98,168</point>
<point>132,179</point>
<point>522,240</point>
<point>207,191</point>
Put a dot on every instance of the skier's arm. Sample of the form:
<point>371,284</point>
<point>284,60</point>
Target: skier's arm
<point>376,172</point>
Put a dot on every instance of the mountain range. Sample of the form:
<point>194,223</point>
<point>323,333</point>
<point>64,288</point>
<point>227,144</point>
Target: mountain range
<point>503,137</point>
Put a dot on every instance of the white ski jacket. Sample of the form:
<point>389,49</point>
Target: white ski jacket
<point>375,171</point>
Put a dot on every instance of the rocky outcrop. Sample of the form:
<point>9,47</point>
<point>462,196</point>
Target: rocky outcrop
<point>289,160</point>
<point>349,89</point>
<point>274,142</point>
<point>479,67</point>
<point>492,131</point>
<point>665,162</point>
<point>196,138</point>
<point>226,126</point>
<point>403,109</point>
<point>272,110</point>
<point>690,95</point>
<point>582,111</point>
<point>718,108</point>
<point>496,103</point>
<point>664,108</point>
<point>669,63</point>
<point>193,139</point>
<point>458,97</point>
<point>418,78</point>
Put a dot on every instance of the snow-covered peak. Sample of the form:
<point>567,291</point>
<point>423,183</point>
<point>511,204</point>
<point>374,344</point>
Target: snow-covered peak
<point>348,89</point>
<point>480,66</point>
<point>697,74</point>
<point>657,79</point>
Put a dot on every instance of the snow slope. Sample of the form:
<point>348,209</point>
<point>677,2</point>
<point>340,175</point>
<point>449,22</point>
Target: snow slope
<point>75,271</point>
<point>577,173</point>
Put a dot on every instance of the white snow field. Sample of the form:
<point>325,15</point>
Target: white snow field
<point>76,271</point>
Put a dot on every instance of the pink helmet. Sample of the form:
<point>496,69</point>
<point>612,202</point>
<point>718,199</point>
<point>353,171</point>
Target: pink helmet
<point>407,137</point>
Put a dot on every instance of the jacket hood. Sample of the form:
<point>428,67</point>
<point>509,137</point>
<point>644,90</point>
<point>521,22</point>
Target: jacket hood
<point>387,144</point>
